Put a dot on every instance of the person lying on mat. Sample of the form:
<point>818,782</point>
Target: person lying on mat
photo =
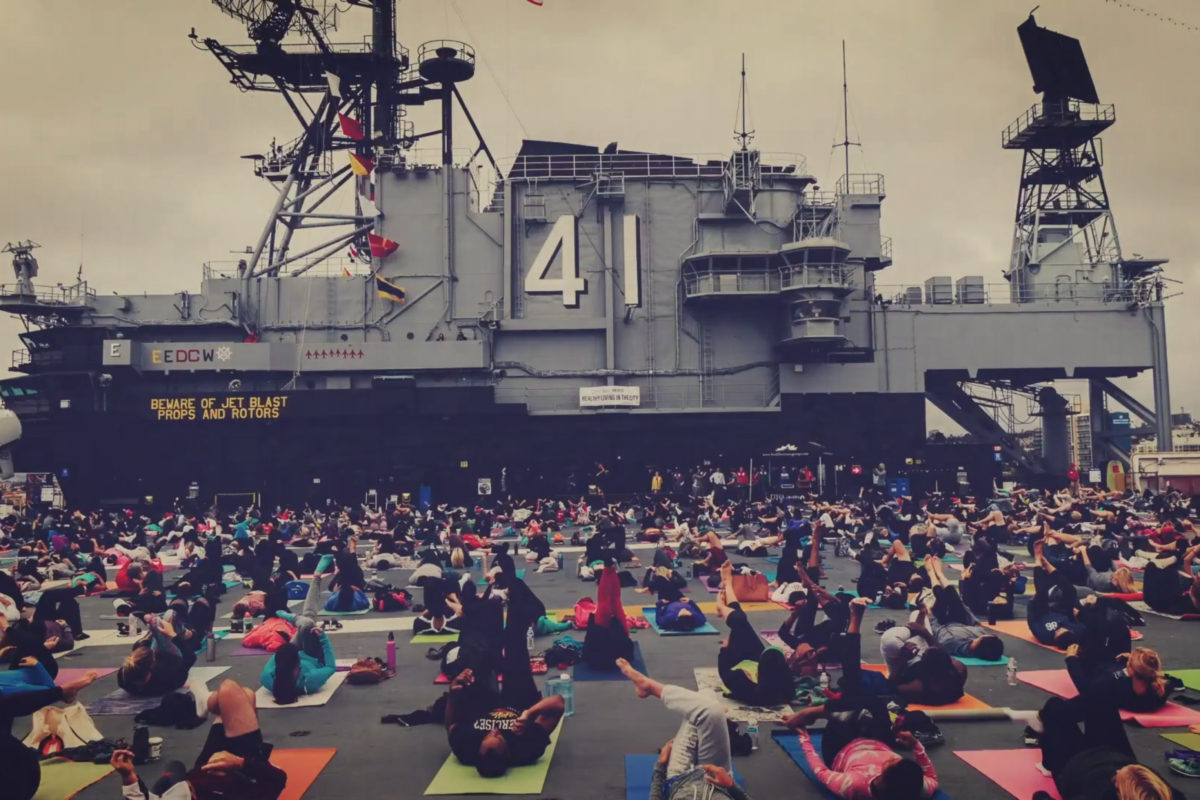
<point>1169,591</point>
<point>159,661</point>
<point>22,766</point>
<point>443,611</point>
<point>662,576</point>
<point>752,672</point>
<point>715,557</point>
<point>1096,762</point>
<point>492,729</point>
<point>1053,613</point>
<point>698,762</point>
<point>953,625</point>
<point>607,636</point>
<point>919,668</point>
<point>306,663</point>
<point>1106,658</point>
<point>232,765</point>
<point>811,641</point>
<point>858,758</point>
<point>347,586</point>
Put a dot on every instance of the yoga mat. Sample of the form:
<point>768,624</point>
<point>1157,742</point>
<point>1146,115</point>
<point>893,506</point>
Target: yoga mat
<point>1058,682</point>
<point>376,623</point>
<point>1014,771</point>
<point>456,778</point>
<point>67,674</point>
<point>1189,740</point>
<point>1145,609</point>
<point>324,613</point>
<point>639,772</point>
<point>265,699</point>
<point>1018,629</point>
<point>652,617</point>
<point>747,606</point>
<point>789,740</point>
<point>1190,677</point>
<point>302,768</point>
<point>121,702</point>
<point>433,638</point>
<point>979,662</point>
<point>585,673</point>
<point>709,679</point>
<point>62,779</point>
<point>483,581</point>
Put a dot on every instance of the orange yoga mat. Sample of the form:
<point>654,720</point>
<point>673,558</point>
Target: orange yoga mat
<point>1019,629</point>
<point>964,703</point>
<point>302,768</point>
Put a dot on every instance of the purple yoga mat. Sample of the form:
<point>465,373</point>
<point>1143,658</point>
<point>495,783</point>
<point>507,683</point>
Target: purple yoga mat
<point>68,674</point>
<point>242,650</point>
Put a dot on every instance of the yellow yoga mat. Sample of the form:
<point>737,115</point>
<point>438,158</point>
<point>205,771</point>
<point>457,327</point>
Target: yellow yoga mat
<point>62,779</point>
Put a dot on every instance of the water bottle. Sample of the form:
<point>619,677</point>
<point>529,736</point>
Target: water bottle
<point>752,732</point>
<point>529,640</point>
<point>391,652</point>
<point>141,743</point>
<point>210,647</point>
<point>560,560</point>
<point>1012,672</point>
<point>824,681</point>
<point>567,689</point>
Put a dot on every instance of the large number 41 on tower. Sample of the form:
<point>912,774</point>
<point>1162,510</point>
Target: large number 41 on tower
<point>564,240</point>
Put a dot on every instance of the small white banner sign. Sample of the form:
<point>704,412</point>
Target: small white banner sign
<point>609,396</point>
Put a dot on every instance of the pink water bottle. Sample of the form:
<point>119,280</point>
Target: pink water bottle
<point>391,652</point>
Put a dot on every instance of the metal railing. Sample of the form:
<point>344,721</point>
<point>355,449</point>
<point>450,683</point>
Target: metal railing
<point>721,396</point>
<point>462,50</point>
<point>1060,113</point>
<point>993,294</point>
<point>717,281</point>
<point>79,296</point>
<point>20,358</point>
<point>582,166</point>
<point>864,183</point>
<point>366,46</point>
<point>885,248</point>
<point>328,268</point>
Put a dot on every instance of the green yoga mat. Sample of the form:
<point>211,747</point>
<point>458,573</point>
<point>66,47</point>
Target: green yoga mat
<point>483,581</point>
<point>456,778</point>
<point>324,613</point>
<point>62,779</point>
<point>1190,677</point>
<point>433,638</point>
<point>1189,740</point>
<point>979,662</point>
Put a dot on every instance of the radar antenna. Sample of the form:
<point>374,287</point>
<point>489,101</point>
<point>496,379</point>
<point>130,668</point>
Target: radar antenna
<point>742,135</point>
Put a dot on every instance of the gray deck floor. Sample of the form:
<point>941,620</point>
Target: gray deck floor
<point>387,761</point>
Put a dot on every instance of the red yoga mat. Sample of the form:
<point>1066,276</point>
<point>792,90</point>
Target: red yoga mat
<point>1014,771</point>
<point>302,768</point>
<point>67,674</point>
<point>1058,682</point>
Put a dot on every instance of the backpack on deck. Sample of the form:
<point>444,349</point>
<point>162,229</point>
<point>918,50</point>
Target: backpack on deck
<point>391,600</point>
<point>365,672</point>
<point>584,610</point>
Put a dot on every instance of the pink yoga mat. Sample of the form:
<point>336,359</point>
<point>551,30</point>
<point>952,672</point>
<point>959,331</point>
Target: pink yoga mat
<point>1014,771</point>
<point>68,674</point>
<point>1058,682</point>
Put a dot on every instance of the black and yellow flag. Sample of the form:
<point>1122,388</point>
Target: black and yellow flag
<point>389,291</point>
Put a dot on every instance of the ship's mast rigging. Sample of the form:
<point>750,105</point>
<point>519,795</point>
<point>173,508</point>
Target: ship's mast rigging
<point>364,96</point>
<point>846,143</point>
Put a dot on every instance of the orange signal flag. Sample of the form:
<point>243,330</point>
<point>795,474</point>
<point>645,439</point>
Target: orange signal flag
<point>346,272</point>
<point>361,165</point>
<point>351,128</point>
<point>381,247</point>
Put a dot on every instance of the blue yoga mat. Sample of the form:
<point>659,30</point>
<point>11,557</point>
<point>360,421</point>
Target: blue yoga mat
<point>979,662</point>
<point>651,616</point>
<point>639,771</point>
<point>585,673</point>
<point>773,559</point>
<point>788,740</point>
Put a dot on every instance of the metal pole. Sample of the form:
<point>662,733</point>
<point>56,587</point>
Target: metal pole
<point>1162,381</point>
<point>448,199</point>
<point>846,116</point>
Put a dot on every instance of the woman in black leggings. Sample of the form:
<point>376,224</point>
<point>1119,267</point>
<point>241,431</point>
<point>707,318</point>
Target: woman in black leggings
<point>1168,591</point>
<point>771,682</point>
<point>1097,762</point>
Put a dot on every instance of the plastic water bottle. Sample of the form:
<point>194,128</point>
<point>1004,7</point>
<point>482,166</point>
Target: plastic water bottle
<point>210,647</point>
<point>567,689</point>
<point>1012,672</point>
<point>560,561</point>
<point>529,640</point>
<point>391,652</point>
<point>752,732</point>
<point>824,681</point>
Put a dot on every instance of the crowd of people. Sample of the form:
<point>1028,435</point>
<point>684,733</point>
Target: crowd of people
<point>1080,548</point>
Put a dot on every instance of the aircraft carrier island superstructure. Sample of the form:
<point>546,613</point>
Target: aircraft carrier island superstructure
<point>407,320</point>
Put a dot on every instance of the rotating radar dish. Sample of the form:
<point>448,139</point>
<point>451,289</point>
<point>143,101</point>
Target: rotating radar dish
<point>271,20</point>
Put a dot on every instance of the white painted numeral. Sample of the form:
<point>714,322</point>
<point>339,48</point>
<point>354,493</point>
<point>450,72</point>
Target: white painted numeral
<point>563,239</point>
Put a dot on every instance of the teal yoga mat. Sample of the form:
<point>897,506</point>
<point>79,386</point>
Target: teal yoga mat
<point>652,617</point>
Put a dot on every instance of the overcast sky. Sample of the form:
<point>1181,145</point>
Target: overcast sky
<point>112,126</point>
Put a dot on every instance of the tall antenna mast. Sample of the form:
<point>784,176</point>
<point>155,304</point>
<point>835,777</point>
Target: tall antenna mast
<point>743,135</point>
<point>846,143</point>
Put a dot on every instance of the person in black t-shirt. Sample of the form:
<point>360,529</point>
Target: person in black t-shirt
<point>493,729</point>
